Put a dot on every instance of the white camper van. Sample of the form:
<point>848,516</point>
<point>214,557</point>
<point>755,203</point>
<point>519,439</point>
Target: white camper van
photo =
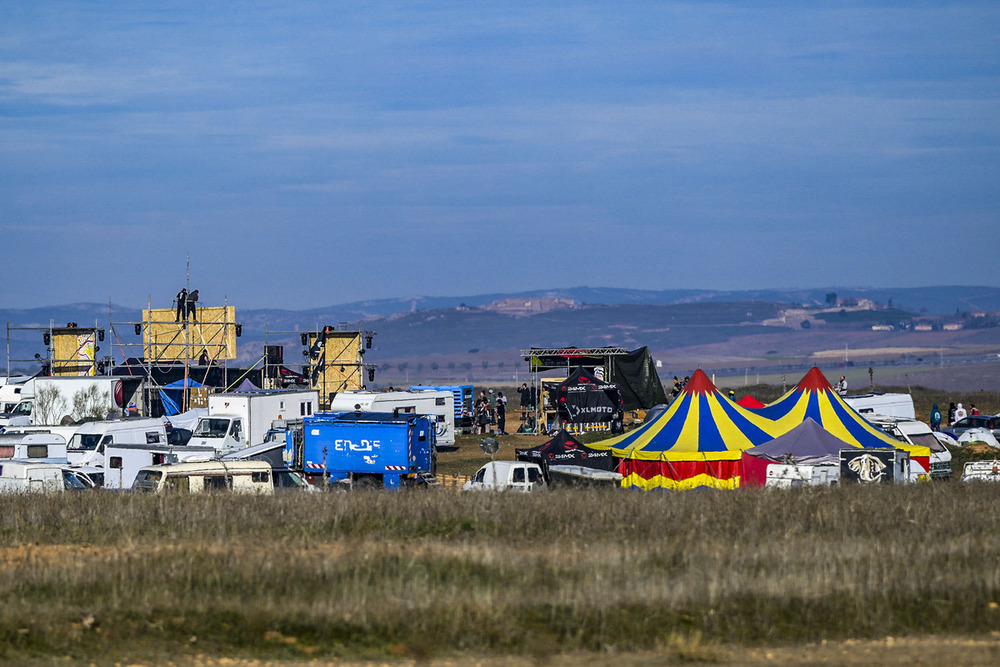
<point>438,404</point>
<point>916,433</point>
<point>87,446</point>
<point>199,477</point>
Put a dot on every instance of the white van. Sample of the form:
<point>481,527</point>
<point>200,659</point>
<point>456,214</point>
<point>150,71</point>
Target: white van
<point>30,477</point>
<point>504,475</point>
<point>879,403</point>
<point>86,447</point>
<point>202,476</point>
<point>917,433</point>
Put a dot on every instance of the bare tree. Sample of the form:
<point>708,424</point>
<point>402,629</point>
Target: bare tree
<point>47,404</point>
<point>90,403</point>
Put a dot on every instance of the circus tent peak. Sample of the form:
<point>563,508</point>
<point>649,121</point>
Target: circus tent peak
<point>700,384</point>
<point>814,380</point>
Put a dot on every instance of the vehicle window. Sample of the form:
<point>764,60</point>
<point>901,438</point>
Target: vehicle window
<point>211,428</point>
<point>218,483</point>
<point>115,462</point>
<point>148,477</point>
<point>439,401</point>
<point>259,477</point>
<point>478,477</point>
<point>181,484</point>
<point>71,482</point>
<point>518,475</point>
<point>927,440</point>
<point>84,441</point>
<point>7,452</point>
<point>107,440</point>
<point>534,475</point>
<point>38,451</point>
<point>152,437</point>
<point>237,430</point>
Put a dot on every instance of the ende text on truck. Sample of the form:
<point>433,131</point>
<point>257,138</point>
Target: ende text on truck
<point>240,419</point>
<point>369,449</point>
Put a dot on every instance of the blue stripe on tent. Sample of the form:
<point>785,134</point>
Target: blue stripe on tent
<point>753,432</point>
<point>667,436</point>
<point>812,408</point>
<point>630,438</point>
<point>777,410</point>
<point>709,437</point>
<point>857,430</point>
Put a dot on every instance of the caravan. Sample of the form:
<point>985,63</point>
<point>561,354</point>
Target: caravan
<point>437,404</point>
<point>205,476</point>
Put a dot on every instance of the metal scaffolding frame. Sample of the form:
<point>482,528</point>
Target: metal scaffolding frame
<point>607,354</point>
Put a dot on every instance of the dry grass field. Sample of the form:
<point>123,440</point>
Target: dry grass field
<point>578,575</point>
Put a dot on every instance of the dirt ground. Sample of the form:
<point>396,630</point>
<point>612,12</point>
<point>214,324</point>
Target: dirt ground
<point>887,651</point>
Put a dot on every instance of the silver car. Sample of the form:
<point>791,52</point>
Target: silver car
<point>991,422</point>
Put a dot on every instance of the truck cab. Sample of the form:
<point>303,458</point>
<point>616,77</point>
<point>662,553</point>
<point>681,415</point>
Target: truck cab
<point>225,433</point>
<point>20,415</point>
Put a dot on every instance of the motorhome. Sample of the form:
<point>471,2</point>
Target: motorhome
<point>87,446</point>
<point>205,476</point>
<point>438,404</point>
<point>916,433</point>
<point>237,420</point>
<point>123,462</point>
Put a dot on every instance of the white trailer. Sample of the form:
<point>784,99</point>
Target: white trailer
<point>438,404</point>
<point>31,477</point>
<point>241,419</point>
<point>87,446</point>
<point>38,447</point>
<point>123,462</point>
<point>786,476</point>
<point>49,400</point>
<point>888,405</point>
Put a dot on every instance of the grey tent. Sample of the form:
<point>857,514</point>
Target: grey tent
<point>806,444</point>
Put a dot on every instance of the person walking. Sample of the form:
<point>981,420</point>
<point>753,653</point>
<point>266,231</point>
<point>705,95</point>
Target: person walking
<point>181,305</point>
<point>935,418</point>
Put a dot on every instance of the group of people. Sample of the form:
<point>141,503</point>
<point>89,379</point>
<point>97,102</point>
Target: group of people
<point>490,409</point>
<point>678,386</point>
<point>955,413</point>
<point>186,305</point>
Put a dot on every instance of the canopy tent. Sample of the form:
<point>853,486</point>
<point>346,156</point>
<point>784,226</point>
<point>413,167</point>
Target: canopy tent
<point>636,377</point>
<point>565,450</point>
<point>246,385</point>
<point>806,444</point>
<point>696,442</point>
<point>749,401</point>
<point>813,397</point>
<point>583,399</point>
<point>172,395</point>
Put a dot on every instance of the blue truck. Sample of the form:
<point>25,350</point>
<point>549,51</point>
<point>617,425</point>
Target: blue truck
<point>367,449</point>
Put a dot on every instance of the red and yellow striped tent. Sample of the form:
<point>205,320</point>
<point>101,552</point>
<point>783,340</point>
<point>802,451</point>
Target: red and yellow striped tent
<point>696,442</point>
<point>813,397</point>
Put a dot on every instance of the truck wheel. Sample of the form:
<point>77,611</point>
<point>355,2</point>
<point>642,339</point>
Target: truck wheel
<point>368,482</point>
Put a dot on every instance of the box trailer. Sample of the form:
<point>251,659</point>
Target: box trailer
<point>237,420</point>
<point>439,404</point>
<point>368,449</point>
<point>48,400</point>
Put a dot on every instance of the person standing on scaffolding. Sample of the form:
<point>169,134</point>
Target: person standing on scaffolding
<point>192,299</point>
<point>181,305</point>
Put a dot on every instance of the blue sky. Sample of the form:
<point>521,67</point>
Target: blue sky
<point>304,154</point>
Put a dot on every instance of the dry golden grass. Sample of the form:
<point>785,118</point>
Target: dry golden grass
<point>122,577</point>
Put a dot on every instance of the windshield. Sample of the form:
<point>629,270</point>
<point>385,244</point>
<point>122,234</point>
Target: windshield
<point>211,428</point>
<point>23,409</point>
<point>147,480</point>
<point>84,442</point>
<point>72,482</point>
<point>927,440</point>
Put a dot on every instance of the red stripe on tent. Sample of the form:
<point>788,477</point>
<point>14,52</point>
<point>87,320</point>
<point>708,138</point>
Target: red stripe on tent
<point>680,470</point>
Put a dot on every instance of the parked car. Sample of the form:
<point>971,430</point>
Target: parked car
<point>990,422</point>
<point>504,475</point>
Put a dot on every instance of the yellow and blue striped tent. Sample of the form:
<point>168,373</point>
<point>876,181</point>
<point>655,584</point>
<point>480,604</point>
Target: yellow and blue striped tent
<point>696,442</point>
<point>813,397</point>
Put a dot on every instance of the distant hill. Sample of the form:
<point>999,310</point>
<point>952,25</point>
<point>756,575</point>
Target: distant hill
<point>423,326</point>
